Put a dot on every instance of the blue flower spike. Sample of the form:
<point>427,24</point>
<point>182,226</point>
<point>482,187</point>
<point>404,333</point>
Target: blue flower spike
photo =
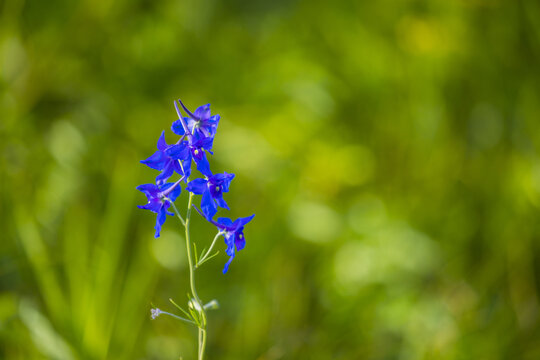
<point>211,189</point>
<point>196,133</point>
<point>160,198</point>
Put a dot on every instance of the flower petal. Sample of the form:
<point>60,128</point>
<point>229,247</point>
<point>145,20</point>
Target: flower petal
<point>203,165</point>
<point>148,189</point>
<point>204,143</point>
<point>160,220</point>
<point>178,128</point>
<point>166,173</point>
<point>190,123</point>
<point>197,186</point>
<point>227,181</point>
<point>239,241</point>
<point>221,203</point>
<point>243,221</point>
<point>153,206</point>
<point>162,144</point>
<point>178,151</point>
<point>225,221</point>
<point>177,167</point>
<point>226,267</point>
<point>156,161</point>
<point>203,112</point>
<point>175,193</point>
<point>208,206</point>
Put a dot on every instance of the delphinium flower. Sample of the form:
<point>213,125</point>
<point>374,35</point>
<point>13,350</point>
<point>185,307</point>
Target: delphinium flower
<point>159,200</point>
<point>166,162</point>
<point>196,137</point>
<point>233,232</point>
<point>200,136</point>
<point>211,188</point>
<point>201,123</point>
<point>193,149</point>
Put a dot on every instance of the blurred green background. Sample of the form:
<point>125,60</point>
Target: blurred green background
<point>390,150</point>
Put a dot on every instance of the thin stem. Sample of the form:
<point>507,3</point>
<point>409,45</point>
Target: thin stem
<point>178,317</point>
<point>199,264</point>
<point>198,304</point>
<point>202,340</point>
<point>180,308</point>
<point>209,250</point>
<point>178,213</point>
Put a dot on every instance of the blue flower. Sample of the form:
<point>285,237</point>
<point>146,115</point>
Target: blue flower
<point>163,161</point>
<point>193,149</point>
<point>211,189</point>
<point>159,200</point>
<point>201,124</point>
<point>233,233</point>
<point>200,136</point>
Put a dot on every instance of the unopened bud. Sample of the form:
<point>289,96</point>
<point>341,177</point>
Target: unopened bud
<point>212,305</point>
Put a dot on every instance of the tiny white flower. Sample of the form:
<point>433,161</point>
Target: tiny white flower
<point>155,313</point>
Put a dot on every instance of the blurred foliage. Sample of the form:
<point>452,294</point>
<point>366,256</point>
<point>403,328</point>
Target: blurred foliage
<point>390,150</point>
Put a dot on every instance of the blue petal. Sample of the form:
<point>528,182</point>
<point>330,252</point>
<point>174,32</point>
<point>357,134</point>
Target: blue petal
<point>178,128</point>
<point>229,241</point>
<point>178,151</point>
<point>238,223</point>
<point>190,123</point>
<point>175,193</point>
<point>225,221</point>
<point>227,181</point>
<point>166,173</point>
<point>186,166</point>
<point>153,206</point>
<point>167,205</point>
<point>197,186</point>
<point>226,267</point>
<point>205,143</point>
<point>208,205</point>
<point>177,167</point>
<point>160,220</point>
<point>221,203</point>
<point>213,120</point>
<point>162,144</point>
<point>203,112</point>
<point>203,165</point>
<point>156,161</point>
<point>211,124</point>
<point>239,241</point>
<point>148,188</point>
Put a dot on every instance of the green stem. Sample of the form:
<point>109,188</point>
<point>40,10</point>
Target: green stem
<point>178,213</point>
<point>202,341</point>
<point>205,256</point>
<point>198,304</point>
<point>178,317</point>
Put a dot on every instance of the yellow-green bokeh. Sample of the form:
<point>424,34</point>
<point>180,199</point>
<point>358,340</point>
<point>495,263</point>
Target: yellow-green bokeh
<point>390,151</point>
